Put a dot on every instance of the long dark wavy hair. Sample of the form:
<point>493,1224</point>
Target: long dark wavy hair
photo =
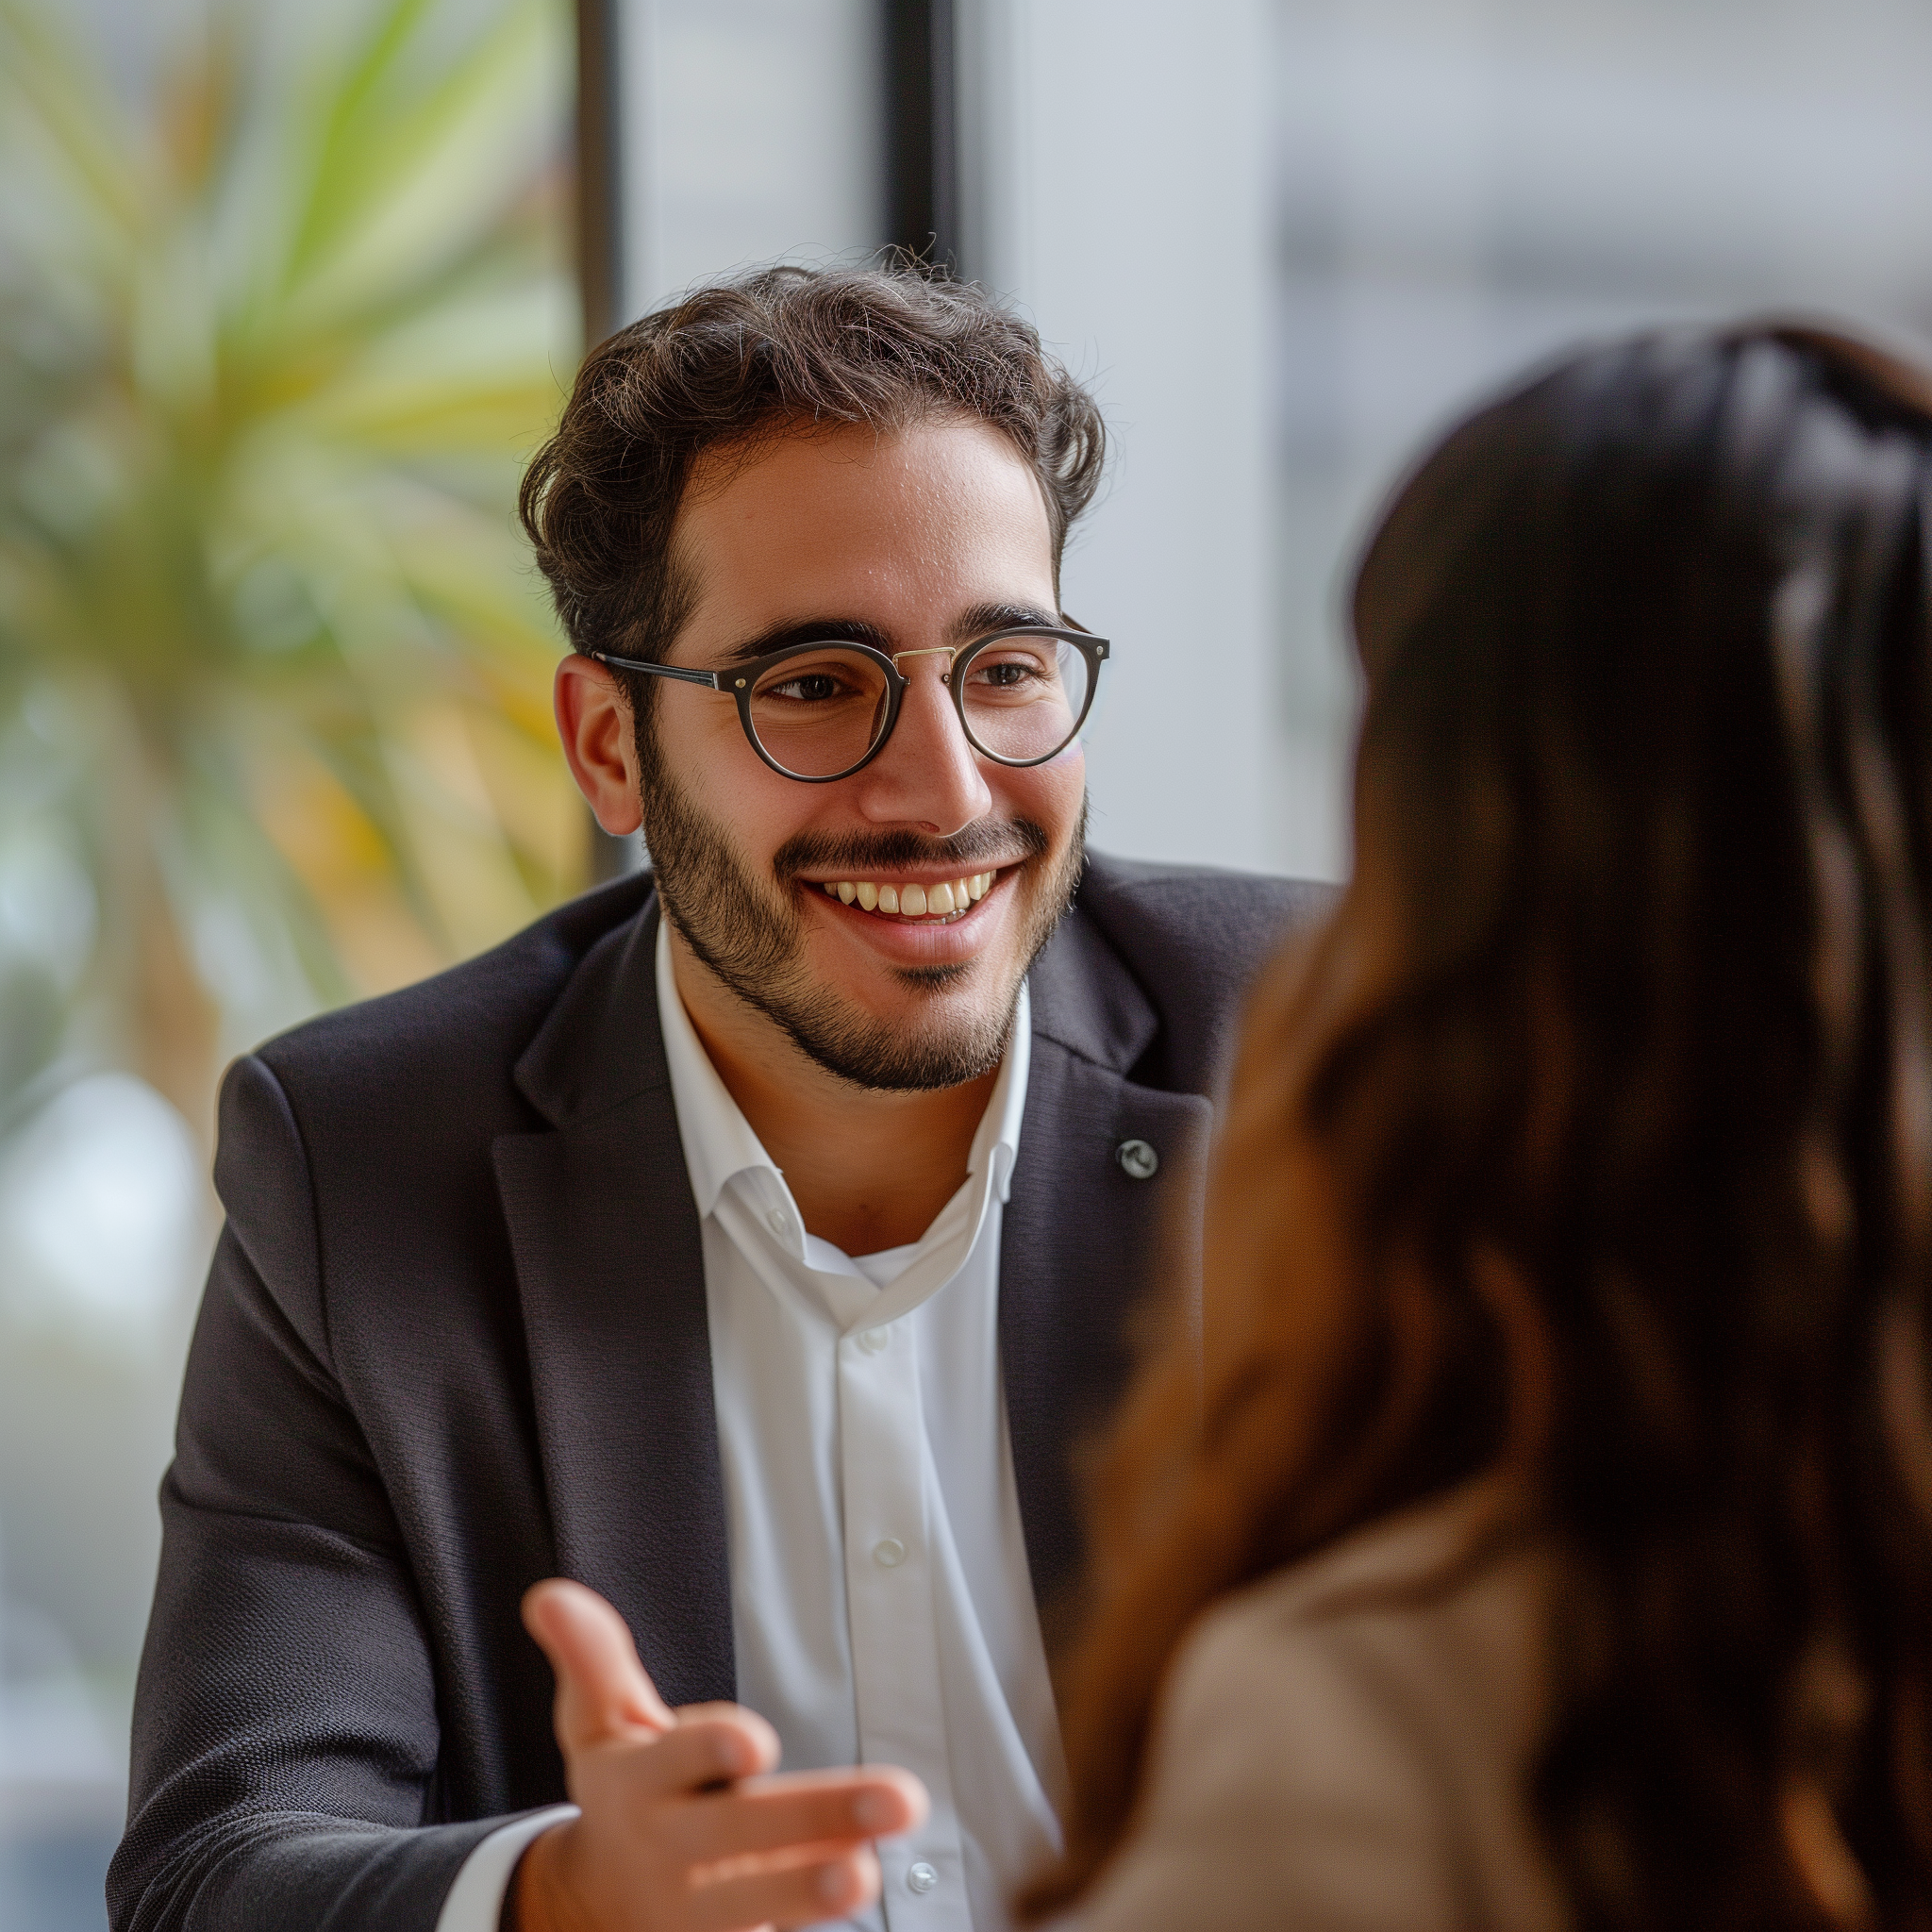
<point>1588,1147</point>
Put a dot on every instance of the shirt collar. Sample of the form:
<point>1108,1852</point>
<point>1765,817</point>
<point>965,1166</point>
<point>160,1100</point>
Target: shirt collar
<point>997,1142</point>
<point>719,1142</point>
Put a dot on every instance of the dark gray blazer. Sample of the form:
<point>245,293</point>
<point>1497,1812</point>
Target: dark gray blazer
<point>455,1339</point>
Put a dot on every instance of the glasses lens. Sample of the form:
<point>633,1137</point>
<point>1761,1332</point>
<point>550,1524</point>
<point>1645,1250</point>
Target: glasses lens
<point>1023,697</point>
<point>821,712</point>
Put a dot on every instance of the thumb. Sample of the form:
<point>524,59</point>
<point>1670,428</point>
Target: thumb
<point>604,1694</point>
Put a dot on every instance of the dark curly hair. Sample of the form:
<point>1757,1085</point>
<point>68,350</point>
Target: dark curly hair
<point>1591,1143</point>
<point>779,350</point>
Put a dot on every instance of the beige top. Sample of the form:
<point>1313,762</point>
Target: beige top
<point>1332,1755</point>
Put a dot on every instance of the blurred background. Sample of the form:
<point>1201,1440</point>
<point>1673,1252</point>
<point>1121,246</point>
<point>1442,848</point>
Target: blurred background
<point>287,296</point>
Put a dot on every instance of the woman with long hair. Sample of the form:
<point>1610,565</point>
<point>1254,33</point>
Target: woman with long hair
<point>1546,1541</point>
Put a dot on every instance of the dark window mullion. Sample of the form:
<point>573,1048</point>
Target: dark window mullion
<point>921,136</point>
<point>600,265</point>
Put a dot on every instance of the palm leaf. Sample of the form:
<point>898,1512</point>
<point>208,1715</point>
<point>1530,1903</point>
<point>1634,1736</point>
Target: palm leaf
<point>270,357</point>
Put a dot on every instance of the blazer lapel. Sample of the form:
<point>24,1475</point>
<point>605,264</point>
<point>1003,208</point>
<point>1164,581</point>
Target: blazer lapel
<point>610,1268</point>
<point>1085,1241</point>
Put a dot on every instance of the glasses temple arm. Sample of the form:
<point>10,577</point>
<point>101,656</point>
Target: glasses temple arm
<point>682,673</point>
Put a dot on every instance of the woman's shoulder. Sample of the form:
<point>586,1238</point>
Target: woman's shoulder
<point>1344,1744</point>
<point>1442,1602</point>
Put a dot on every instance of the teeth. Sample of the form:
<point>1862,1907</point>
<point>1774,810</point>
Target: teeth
<point>914,902</point>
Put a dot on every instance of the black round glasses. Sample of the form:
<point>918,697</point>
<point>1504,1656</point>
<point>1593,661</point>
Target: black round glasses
<point>820,711</point>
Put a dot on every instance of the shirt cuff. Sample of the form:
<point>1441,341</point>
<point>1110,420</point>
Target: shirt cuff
<point>476,1900</point>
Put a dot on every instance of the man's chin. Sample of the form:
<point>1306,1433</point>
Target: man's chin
<point>931,979</point>
<point>925,1029</point>
<point>889,1057</point>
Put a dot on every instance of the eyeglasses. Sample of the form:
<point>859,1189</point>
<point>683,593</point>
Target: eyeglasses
<point>822,712</point>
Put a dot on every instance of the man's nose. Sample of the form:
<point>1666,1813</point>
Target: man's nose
<point>928,776</point>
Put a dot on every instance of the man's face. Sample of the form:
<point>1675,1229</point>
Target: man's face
<point>928,537</point>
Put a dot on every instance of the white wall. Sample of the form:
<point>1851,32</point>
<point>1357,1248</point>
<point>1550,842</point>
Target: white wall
<point>1117,187</point>
<point>753,132</point>
<point>1462,186</point>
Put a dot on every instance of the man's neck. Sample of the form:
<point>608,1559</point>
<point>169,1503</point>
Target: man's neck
<point>869,1170</point>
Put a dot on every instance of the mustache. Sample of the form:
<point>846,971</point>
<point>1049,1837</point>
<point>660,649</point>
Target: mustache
<point>1004,844</point>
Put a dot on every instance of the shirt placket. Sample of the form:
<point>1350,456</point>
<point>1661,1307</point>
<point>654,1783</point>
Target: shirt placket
<point>889,1586</point>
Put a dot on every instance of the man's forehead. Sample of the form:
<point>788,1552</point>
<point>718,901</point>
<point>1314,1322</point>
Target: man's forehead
<point>793,471</point>
<point>851,445</point>
<point>853,522</point>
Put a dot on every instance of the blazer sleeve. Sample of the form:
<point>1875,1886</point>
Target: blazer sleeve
<point>1325,1776</point>
<point>284,1725</point>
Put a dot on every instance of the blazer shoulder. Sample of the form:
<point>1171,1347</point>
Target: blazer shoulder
<point>1205,911</point>
<point>469,1022</point>
<point>1192,938</point>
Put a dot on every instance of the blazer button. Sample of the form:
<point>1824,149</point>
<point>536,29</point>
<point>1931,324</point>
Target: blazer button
<point>1137,1160</point>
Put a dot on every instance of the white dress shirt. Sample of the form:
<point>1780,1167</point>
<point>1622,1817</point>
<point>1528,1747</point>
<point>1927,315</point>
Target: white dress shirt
<point>882,1609</point>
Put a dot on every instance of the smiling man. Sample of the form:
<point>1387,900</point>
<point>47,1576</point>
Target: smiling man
<point>712,1283</point>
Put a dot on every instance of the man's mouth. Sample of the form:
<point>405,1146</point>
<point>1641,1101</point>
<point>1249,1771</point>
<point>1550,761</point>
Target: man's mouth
<point>934,903</point>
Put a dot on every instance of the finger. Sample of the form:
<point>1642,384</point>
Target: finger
<point>799,1896</point>
<point>694,1759</point>
<point>799,1809</point>
<point>688,1715</point>
<point>604,1694</point>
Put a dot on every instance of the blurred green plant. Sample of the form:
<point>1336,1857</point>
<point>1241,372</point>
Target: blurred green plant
<point>274,671</point>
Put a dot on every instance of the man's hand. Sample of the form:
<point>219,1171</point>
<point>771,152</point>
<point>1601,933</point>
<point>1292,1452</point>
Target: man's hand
<point>684,1828</point>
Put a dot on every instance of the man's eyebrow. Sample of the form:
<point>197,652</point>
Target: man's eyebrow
<point>983,618</point>
<point>814,630</point>
<point>976,622</point>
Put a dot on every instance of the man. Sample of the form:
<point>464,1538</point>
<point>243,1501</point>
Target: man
<point>748,1242</point>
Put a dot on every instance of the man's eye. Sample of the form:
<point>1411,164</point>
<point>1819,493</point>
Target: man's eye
<point>813,686</point>
<point>1007,674</point>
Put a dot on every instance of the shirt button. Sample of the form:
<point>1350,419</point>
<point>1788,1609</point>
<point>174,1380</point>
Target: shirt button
<point>922,1877</point>
<point>874,1341</point>
<point>889,1554</point>
<point>781,1220</point>
<point>1137,1160</point>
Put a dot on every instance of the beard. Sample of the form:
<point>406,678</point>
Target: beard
<point>751,933</point>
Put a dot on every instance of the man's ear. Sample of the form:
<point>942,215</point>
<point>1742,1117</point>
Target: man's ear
<point>593,721</point>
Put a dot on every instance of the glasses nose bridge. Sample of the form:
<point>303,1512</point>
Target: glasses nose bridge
<point>948,652</point>
<point>951,653</point>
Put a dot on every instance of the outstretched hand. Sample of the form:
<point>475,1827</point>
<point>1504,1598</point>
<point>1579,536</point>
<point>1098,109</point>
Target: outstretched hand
<point>685,1825</point>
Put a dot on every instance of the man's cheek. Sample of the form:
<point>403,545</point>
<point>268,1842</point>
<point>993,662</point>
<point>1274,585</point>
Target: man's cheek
<point>1051,796</point>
